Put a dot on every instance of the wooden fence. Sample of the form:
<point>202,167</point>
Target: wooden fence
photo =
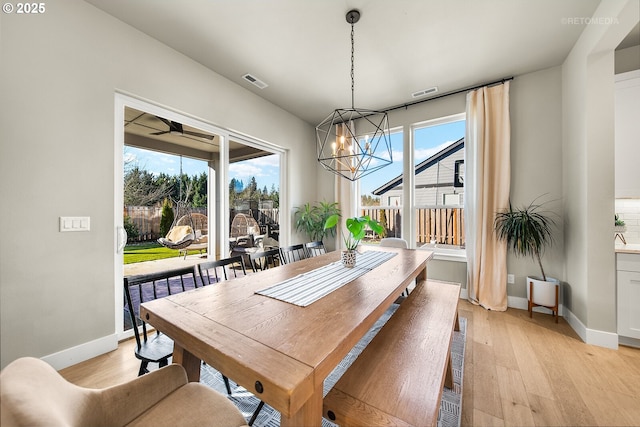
<point>147,220</point>
<point>442,225</point>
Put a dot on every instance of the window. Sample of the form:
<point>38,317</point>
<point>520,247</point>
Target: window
<point>439,181</point>
<point>381,191</point>
<point>436,218</point>
<point>458,174</point>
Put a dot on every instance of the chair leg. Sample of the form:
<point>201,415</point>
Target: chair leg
<point>143,368</point>
<point>227,385</point>
<point>255,413</point>
<point>163,362</point>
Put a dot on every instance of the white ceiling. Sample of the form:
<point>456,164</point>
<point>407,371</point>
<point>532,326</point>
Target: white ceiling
<point>301,48</point>
<point>144,130</point>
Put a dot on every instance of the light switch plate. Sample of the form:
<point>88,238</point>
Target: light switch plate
<point>511,279</point>
<point>75,223</point>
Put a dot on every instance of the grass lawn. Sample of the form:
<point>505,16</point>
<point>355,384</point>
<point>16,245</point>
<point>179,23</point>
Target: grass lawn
<point>148,252</point>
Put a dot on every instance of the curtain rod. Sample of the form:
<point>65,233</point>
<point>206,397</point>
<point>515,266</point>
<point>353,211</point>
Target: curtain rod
<point>455,92</point>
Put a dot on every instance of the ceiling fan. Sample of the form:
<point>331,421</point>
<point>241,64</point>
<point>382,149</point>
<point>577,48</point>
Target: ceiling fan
<point>175,128</point>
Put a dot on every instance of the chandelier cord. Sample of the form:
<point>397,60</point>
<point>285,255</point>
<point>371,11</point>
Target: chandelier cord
<point>352,69</point>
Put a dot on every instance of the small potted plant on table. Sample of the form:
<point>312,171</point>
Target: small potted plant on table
<point>527,232</point>
<point>357,228</point>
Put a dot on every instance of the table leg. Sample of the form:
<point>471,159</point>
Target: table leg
<point>422,276</point>
<point>189,362</point>
<point>310,414</point>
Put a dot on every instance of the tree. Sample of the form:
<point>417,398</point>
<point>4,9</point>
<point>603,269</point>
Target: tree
<point>141,188</point>
<point>367,200</point>
<point>383,219</point>
<point>274,195</point>
<point>131,228</point>
<point>166,220</point>
<point>199,190</point>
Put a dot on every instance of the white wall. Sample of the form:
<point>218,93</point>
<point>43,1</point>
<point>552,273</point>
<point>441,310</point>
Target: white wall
<point>588,170</point>
<point>627,59</point>
<point>536,165</point>
<point>60,71</point>
<point>536,162</point>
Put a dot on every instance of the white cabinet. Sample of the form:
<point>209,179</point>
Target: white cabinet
<point>627,129</point>
<point>628,281</point>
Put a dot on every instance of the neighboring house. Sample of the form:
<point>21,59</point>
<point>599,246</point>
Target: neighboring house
<point>439,180</point>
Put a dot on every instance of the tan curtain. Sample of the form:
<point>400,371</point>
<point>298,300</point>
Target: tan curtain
<point>487,180</point>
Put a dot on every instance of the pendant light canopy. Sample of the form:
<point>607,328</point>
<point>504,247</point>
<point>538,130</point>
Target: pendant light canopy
<point>354,142</point>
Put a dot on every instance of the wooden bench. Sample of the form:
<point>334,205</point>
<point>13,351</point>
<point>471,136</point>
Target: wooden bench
<point>399,377</point>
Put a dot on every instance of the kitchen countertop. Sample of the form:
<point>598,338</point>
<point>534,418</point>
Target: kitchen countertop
<point>632,248</point>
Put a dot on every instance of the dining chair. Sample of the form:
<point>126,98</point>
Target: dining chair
<point>34,394</point>
<point>222,269</point>
<point>212,272</point>
<point>315,248</point>
<point>394,242</point>
<point>293,253</point>
<point>156,348</point>
<point>263,260</point>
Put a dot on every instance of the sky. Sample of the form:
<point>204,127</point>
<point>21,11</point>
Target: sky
<point>266,170</point>
<point>428,141</point>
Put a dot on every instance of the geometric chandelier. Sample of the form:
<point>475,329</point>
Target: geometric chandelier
<point>354,142</point>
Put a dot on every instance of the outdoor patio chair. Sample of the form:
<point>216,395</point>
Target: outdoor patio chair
<point>179,237</point>
<point>34,394</point>
<point>293,253</point>
<point>156,348</point>
<point>263,260</point>
<point>315,248</point>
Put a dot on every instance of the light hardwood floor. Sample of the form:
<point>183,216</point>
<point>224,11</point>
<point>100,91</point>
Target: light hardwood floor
<point>518,372</point>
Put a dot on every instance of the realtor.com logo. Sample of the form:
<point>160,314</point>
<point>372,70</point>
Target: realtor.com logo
<point>590,21</point>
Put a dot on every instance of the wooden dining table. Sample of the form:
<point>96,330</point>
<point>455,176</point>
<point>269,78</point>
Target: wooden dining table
<point>280,351</point>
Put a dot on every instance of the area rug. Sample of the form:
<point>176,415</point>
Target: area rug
<point>450,406</point>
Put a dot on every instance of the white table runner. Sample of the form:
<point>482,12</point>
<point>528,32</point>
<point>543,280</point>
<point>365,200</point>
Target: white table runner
<point>309,287</point>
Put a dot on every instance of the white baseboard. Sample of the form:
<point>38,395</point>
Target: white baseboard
<point>629,342</point>
<point>591,336</point>
<point>82,352</point>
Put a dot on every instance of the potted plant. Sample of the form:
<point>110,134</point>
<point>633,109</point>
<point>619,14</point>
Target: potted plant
<point>310,219</point>
<point>357,228</point>
<point>619,228</point>
<point>527,232</point>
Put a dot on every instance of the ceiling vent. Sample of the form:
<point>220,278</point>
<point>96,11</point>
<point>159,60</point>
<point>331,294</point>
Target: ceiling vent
<point>255,81</point>
<point>424,92</point>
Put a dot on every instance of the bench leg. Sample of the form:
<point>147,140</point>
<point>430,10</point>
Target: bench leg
<point>448,379</point>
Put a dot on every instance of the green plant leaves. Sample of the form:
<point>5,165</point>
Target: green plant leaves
<point>527,231</point>
<point>357,227</point>
<point>311,219</point>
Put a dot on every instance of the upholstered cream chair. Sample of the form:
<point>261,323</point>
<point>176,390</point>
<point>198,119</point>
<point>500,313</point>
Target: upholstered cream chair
<point>394,242</point>
<point>32,393</point>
